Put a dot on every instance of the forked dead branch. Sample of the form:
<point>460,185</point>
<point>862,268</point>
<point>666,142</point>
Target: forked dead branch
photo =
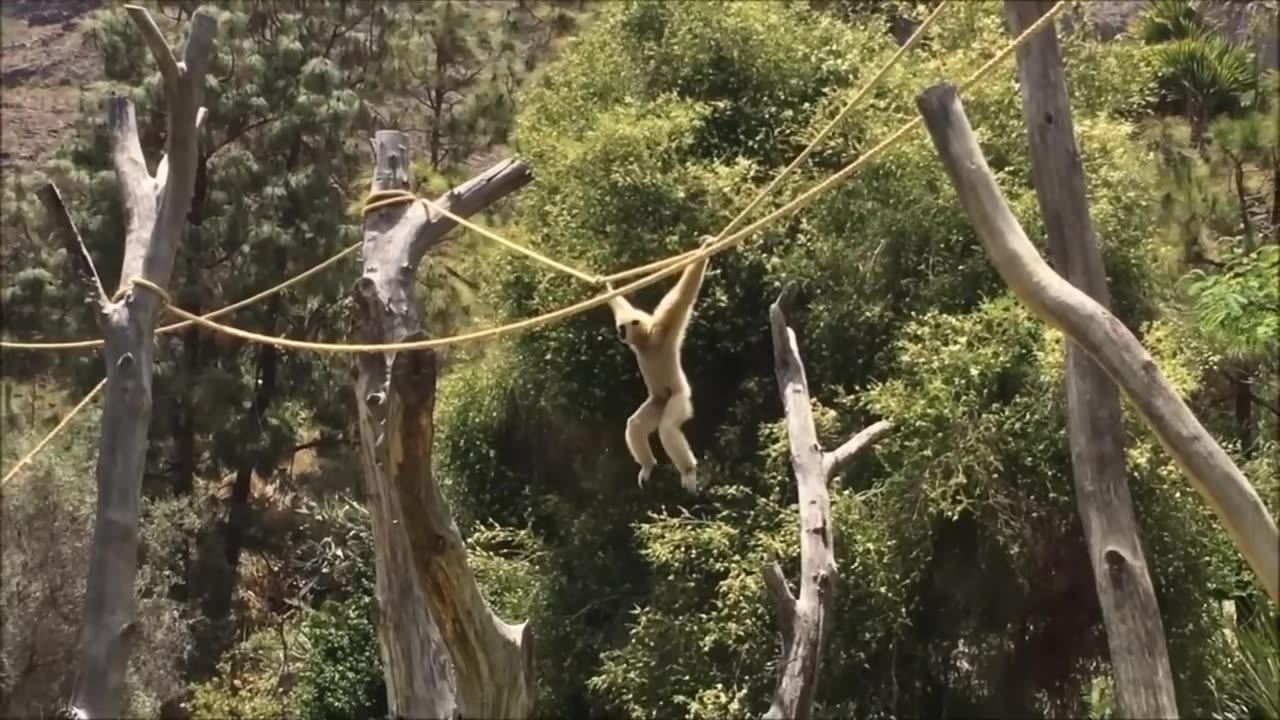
<point>155,213</point>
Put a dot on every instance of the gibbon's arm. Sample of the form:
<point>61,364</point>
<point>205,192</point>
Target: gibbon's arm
<point>618,304</point>
<point>672,314</point>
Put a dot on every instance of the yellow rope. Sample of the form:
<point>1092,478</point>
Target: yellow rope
<point>54,432</point>
<point>79,344</point>
<point>804,154</point>
<point>386,198</point>
<point>529,323</point>
<point>675,263</point>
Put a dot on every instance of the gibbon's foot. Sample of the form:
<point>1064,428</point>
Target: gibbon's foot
<point>645,472</point>
<point>689,479</point>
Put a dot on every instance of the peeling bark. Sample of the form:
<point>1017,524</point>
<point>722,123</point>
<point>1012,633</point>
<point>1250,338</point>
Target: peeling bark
<point>427,592</point>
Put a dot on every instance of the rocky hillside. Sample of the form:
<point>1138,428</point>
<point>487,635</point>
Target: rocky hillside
<point>44,63</point>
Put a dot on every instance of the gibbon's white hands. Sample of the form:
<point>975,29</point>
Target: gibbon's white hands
<point>656,340</point>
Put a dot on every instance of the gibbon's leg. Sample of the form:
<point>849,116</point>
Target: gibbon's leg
<point>639,427</point>
<point>679,409</point>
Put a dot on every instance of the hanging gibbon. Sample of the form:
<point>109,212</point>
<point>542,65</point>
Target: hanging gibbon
<point>656,340</point>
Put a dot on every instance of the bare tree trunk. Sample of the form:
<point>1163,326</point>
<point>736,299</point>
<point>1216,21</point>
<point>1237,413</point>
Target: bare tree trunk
<point>156,210</point>
<point>422,567</point>
<point>805,622</point>
<point>1106,339</point>
<point>1135,634</point>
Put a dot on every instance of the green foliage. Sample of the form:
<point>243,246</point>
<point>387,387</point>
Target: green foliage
<point>342,677</point>
<point>1254,689</point>
<point>656,126</point>
<point>1199,73</point>
<point>319,662</point>
<point>1239,307</point>
<point>1166,20</point>
<point>47,513</point>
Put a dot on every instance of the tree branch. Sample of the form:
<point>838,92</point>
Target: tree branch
<point>133,180</point>
<point>63,225</point>
<point>159,47</point>
<point>427,589</point>
<point>162,170</point>
<point>1099,333</point>
<point>783,602</point>
<point>836,460</point>
<point>128,327</point>
<point>810,616</point>
<point>499,181</point>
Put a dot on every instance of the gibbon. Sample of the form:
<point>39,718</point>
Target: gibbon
<point>656,340</point>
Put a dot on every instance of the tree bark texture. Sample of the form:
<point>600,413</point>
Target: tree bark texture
<point>805,621</point>
<point>1082,319</point>
<point>155,210</point>
<point>1135,633</point>
<point>427,592</point>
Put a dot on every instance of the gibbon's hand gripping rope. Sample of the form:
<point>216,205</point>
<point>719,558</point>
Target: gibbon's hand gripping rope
<point>388,198</point>
<point>668,266</point>
<point>673,264</point>
<point>790,208</point>
<point>397,197</point>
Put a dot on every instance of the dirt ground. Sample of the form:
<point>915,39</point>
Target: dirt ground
<point>44,63</point>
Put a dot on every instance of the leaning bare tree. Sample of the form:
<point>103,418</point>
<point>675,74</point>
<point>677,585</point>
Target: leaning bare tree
<point>1106,339</point>
<point>806,621</point>
<point>1135,634</point>
<point>422,567</point>
<point>155,209</point>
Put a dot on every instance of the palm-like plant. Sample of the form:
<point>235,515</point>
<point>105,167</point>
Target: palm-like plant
<point>1205,76</point>
<point>1166,20</point>
<point>1254,690</point>
<point>1201,75</point>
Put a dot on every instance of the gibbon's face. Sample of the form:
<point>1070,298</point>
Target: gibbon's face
<point>633,327</point>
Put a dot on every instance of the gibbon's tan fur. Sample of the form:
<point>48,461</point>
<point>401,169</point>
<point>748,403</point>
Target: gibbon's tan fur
<point>656,340</point>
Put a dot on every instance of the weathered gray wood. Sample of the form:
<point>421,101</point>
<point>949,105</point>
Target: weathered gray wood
<point>155,211</point>
<point>1135,633</point>
<point>805,621</point>
<point>65,227</point>
<point>414,533</point>
<point>1106,339</point>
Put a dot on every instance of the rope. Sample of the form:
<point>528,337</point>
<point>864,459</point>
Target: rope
<point>671,264</point>
<point>388,198</point>
<point>79,344</point>
<point>804,154</point>
<point>568,311</point>
<point>62,424</point>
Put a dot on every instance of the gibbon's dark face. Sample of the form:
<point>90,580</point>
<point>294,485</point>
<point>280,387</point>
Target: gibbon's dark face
<point>633,330</point>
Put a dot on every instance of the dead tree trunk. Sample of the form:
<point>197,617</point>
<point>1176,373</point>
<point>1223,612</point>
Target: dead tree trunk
<point>1135,633</point>
<point>806,621</point>
<point>422,567</point>
<point>156,210</point>
<point>1106,339</point>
